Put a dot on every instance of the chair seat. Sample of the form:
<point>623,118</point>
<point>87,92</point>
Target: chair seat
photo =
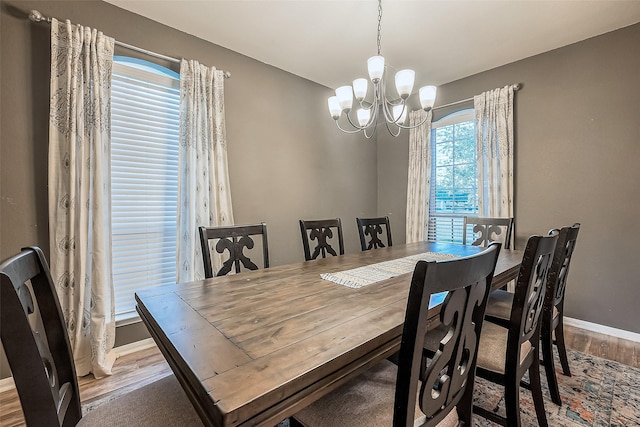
<point>493,348</point>
<point>161,403</point>
<point>365,401</point>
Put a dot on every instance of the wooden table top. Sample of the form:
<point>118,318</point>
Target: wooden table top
<point>254,348</point>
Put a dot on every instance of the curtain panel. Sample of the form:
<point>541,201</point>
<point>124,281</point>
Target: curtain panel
<point>79,191</point>
<point>204,195</point>
<point>419,176</point>
<point>494,136</point>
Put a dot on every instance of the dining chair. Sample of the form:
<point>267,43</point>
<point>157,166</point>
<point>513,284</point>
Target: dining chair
<point>509,348</point>
<point>233,239</point>
<point>321,231</point>
<point>500,303</point>
<point>488,230</point>
<point>372,227</point>
<point>389,394</point>
<point>36,343</point>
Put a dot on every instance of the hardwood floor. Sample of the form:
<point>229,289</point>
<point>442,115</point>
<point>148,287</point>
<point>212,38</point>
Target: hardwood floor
<point>140,368</point>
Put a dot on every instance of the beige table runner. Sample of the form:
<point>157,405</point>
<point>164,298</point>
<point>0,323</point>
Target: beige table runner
<point>362,276</point>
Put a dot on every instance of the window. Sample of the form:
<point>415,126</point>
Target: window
<point>454,177</point>
<point>145,110</point>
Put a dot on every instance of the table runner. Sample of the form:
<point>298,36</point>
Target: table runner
<point>362,276</point>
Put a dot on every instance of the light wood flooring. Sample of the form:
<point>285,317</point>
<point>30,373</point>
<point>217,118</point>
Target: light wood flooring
<point>140,368</point>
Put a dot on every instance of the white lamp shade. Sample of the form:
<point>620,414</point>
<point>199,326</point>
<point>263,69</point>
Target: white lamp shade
<point>345,97</point>
<point>360,88</point>
<point>375,65</point>
<point>399,113</point>
<point>363,116</point>
<point>404,82</point>
<point>334,107</point>
<point>427,97</point>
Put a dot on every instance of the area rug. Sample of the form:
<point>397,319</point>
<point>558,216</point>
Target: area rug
<point>600,392</point>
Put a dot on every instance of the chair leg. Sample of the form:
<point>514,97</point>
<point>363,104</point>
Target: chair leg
<point>549,367</point>
<point>536,391</point>
<point>562,350</point>
<point>512,401</point>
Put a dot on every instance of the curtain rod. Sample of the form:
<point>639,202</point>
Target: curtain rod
<point>36,16</point>
<point>516,87</point>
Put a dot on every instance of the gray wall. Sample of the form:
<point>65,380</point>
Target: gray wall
<point>286,158</point>
<point>577,153</point>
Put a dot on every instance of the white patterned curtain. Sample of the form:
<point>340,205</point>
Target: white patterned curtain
<point>203,184</point>
<point>419,176</point>
<point>79,187</point>
<point>494,135</point>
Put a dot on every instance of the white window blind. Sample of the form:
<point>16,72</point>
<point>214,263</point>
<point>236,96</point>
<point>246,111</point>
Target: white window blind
<point>145,114</point>
<point>454,177</point>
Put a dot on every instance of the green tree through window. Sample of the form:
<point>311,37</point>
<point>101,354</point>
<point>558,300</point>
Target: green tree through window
<point>454,177</point>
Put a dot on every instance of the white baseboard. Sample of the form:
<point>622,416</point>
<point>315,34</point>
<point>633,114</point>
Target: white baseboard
<point>7,384</point>
<point>607,330</point>
<point>123,350</point>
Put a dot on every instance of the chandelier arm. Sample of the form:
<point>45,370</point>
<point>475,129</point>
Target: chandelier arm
<point>346,130</point>
<point>390,131</point>
<point>414,126</point>
<point>357,126</point>
<point>374,127</point>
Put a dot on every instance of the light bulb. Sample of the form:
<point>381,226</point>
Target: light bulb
<point>404,82</point>
<point>360,88</point>
<point>363,116</point>
<point>334,107</point>
<point>427,97</point>
<point>375,65</point>
<point>345,97</point>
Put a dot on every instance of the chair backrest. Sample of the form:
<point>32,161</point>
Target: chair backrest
<point>36,343</point>
<point>557,279</point>
<point>321,231</point>
<point>233,239</point>
<point>373,228</point>
<point>448,380</point>
<point>489,230</point>
<point>528,298</point>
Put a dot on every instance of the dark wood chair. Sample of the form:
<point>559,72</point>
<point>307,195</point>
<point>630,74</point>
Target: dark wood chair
<point>321,231</point>
<point>37,347</point>
<point>489,230</point>
<point>553,315</point>
<point>372,227</point>
<point>233,239</point>
<point>500,303</point>
<point>390,394</point>
<point>510,347</point>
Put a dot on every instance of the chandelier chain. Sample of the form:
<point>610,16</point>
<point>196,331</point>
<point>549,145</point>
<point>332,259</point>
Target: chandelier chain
<point>379,27</point>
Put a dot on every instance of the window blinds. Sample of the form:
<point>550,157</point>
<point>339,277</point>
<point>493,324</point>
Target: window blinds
<point>145,115</point>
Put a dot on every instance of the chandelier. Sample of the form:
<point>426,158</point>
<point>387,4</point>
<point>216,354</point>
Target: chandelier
<point>394,110</point>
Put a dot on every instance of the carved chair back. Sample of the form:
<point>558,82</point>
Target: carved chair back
<point>488,230</point>
<point>528,298</point>
<point>372,227</point>
<point>448,380</point>
<point>557,280</point>
<point>234,240</point>
<point>36,343</point>
<point>322,232</point>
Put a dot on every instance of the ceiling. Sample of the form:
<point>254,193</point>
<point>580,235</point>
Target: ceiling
<point>329,41</point>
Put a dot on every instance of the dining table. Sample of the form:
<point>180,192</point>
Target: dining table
<point>254,348</point>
